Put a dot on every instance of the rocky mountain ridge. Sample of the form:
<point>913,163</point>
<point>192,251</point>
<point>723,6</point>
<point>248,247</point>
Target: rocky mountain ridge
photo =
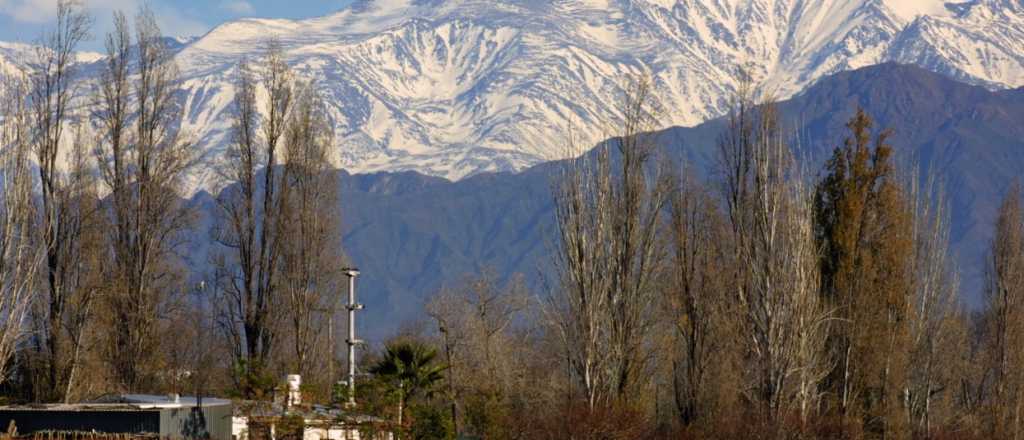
<point>452,88</point>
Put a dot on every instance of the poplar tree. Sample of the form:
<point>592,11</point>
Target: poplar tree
<point>20,255</point>
<point>773,260</point>
<point>697,295</point>
<point>1005,297</point>
<point>864,230</point>
<point>67,204</point>
<point>311,252</point>
<point>250,224</point>
<point>142,159</point>
<point>608,213</point>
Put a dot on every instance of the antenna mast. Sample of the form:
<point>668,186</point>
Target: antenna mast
<point>352,342</point>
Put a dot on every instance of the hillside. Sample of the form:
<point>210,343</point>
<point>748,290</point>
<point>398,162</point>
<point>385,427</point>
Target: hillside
<point>411,234</point>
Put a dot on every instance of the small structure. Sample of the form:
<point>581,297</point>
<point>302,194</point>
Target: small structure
<point>294,387</point>
<point>272,421</point>
<point>169,417</point>
<point>288,418</point>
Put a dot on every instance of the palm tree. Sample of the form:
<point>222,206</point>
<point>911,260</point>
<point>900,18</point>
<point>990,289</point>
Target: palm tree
<point>409,367</point>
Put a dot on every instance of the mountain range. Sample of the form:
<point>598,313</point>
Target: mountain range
<point>411,234</point>
<point>452,88</point>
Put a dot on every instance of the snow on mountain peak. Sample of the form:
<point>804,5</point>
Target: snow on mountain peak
<point>908,10</point>
<point>455,87</point>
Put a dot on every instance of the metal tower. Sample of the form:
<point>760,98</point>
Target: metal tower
<point>352,342</point>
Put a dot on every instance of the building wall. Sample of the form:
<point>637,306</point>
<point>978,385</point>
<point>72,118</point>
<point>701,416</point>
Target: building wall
<point>191,422</point>
<point>131,422</point>
<point>169,423</point>
<point>330,434</point>
<point>240,431</point>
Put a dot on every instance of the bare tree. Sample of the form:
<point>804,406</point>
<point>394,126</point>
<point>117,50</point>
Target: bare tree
<point>142,159</point>
<point>1005,295</point>
<point>608,212</point>
<point>195,360</point>
<point>697,297</point>
<point>476,320</point>
<point>311,258</point>
<point>20,256</point>
<point>67,195</point>
<point>774,258</point>
<point>579,309</point>
<point>811,318</point>
<point>936,287</point>
<point>447,309</point>
<point>765,301</point>
<point>250,224</point>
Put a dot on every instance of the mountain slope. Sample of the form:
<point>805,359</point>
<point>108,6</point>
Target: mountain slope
<point>455,87</point>
<point>411,234</point>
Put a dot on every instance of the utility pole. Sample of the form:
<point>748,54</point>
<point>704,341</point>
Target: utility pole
<point>198,365</point>
<point>352,342</point>
<point>330,343</point>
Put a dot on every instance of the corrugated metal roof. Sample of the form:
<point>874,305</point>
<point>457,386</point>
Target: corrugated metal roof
<point>123,402</point>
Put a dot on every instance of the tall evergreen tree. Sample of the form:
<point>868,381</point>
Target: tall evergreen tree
<point>864,230</point>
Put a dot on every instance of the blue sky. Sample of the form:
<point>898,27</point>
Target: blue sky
<point>23,20</point>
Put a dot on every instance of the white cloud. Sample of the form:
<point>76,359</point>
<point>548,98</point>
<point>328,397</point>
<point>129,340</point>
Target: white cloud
<point>238,7</point>
<point>43,11</point>
<point>172,20</point>
<point>29,11</point>
<point>174,23</point>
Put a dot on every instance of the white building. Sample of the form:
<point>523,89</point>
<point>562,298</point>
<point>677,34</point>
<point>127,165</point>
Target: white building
<point>319,422</point>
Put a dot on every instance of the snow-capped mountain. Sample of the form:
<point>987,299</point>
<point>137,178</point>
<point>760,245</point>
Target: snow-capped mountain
<point>12,56</point>
<point>455,87</point>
